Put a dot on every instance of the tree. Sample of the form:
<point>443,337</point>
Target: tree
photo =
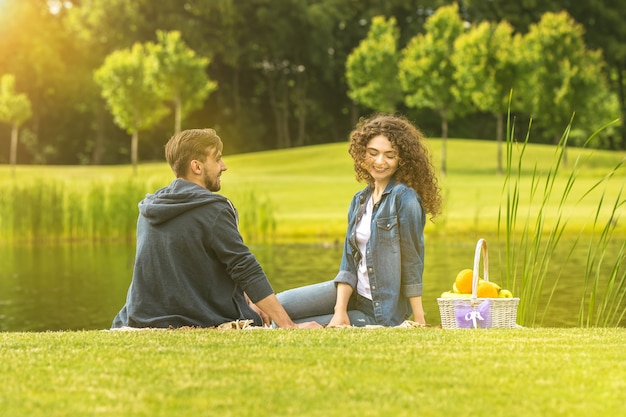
<point>372,67</point>
<point>35,50</point>
<point>180,75</point>
<point>604,30</point>
<point>127,82</point>
<point>487,70</point>
<point>15,109</point>
<point>562,75</point>
<point>427,71</point>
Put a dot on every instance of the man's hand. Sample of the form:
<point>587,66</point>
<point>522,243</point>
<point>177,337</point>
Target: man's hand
<point>275,310</point>
<point>266,319</point>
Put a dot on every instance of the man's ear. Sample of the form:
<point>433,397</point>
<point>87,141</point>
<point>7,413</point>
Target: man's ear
<point>195,167</point>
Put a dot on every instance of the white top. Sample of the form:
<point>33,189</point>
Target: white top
<point>363,232</point>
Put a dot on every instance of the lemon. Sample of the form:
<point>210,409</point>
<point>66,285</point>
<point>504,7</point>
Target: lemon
<point>505,294</point>
<point>449,294</point>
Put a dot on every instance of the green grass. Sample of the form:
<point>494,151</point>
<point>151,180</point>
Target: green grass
<point>338,372</point>
<point>309,189</point>
<point>342,372</point>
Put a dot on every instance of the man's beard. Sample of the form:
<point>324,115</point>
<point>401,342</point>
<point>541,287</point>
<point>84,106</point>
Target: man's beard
<point>212,185</point>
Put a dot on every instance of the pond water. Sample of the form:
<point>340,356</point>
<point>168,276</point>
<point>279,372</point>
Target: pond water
<point>75,287</point>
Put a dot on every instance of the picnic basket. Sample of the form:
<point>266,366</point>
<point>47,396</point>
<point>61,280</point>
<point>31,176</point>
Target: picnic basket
<point>474,312</point>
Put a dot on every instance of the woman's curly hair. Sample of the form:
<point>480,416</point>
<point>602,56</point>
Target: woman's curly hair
<point>415,167</point>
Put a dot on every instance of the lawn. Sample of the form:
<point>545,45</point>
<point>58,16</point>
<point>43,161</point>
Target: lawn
<point>324,372</point>
<point>331,372</point>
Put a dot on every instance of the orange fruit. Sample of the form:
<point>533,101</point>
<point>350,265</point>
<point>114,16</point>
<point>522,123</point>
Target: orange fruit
<point>464,281</point>
<point>487,289</point>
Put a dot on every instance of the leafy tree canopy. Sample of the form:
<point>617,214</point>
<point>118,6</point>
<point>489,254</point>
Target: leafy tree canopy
<point>372,67</point>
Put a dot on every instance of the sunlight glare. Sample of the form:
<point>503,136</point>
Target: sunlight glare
<point>55,6</point>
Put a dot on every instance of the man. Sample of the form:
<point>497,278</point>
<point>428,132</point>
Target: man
<point>191,266</point>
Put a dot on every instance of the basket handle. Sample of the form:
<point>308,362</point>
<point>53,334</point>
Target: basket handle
<point>481,247</point>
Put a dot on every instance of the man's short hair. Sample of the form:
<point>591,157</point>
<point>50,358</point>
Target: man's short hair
<point>188,145</point>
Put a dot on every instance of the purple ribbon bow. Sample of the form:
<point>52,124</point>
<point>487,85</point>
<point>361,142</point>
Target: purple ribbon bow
<point>468,316</point>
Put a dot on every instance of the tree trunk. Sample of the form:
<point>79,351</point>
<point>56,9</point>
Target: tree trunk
<point>236,97</point>
<point>499,127</point>
<point>285,113</point>
<point>622,102</point>
<point>444,139</point>
<point>178,115</point>
<point>98,147</point>
<point>354,113</point>
<point>271,93</point>
<point>301,106</point>
<point>133,150</point>
<point>13,158</point>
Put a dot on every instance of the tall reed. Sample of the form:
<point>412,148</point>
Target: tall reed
<point>48,210</point>
<point>603,302</point>
<point>257,221</point>
<point>530,242</point>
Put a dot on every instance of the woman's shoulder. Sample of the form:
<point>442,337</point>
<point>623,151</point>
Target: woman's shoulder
<point>401,188</point>
<point>404,193</point>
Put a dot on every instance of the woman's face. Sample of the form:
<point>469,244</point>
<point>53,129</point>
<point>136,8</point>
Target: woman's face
<point>381,159</point>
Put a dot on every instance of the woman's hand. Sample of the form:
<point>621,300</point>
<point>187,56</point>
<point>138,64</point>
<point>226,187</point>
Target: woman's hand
<point>339,319</point>
<point>418,310</point>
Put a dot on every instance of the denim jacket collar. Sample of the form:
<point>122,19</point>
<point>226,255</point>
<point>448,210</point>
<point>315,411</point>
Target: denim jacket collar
<point>365,194</point>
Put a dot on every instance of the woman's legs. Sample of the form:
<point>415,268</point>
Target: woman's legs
<point>316,302</point>
<point>361,311</point>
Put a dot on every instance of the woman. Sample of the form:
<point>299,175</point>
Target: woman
<point>380,277</point>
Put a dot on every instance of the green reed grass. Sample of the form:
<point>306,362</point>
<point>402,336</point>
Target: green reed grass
<point>602,306</point>
<point>99,210</point>
<point>530,243</point>
<point>50,210</point>
<point>257,221</point>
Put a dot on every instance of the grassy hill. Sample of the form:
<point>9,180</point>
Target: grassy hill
<point>311,187</point>
<point>308,189</point>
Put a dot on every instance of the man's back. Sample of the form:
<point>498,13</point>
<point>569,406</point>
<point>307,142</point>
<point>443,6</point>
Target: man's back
<point>190,259</point>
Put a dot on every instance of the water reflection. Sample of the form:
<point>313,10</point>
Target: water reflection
<point>73,287</point>
<point>67,287</point>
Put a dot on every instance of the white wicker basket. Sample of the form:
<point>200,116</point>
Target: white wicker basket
<point>474,312</point>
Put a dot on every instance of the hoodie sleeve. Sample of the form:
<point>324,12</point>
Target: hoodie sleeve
<point>241,265</point>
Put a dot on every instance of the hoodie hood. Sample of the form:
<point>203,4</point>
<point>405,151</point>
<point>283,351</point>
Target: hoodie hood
<point>175,199</point>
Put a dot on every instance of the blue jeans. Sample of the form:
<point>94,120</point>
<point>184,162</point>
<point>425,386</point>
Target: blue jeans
<point>316,302</point>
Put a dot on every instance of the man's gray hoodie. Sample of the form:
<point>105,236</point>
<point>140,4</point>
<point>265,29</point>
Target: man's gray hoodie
<point>191,266</point>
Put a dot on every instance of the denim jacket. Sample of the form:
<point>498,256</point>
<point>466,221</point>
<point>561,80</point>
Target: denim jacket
<point>394,252</point>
